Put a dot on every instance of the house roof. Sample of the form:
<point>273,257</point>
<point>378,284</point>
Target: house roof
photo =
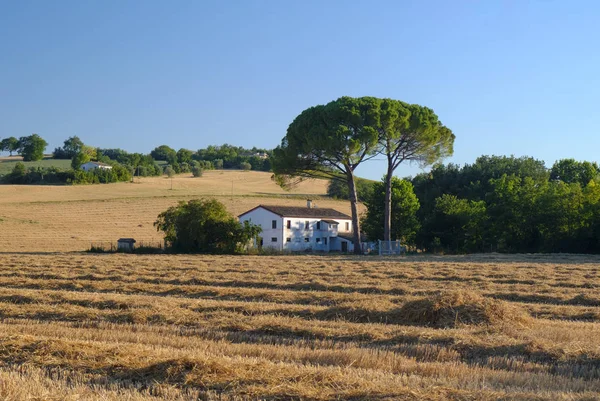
<point>330,221</point>
<point>295,211</point>
<point>350,238</point>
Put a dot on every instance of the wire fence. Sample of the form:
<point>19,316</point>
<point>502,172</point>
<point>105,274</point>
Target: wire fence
<point>391,248</point>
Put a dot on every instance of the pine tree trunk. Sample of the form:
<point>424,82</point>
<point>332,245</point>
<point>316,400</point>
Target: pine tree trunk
<point>387,213</point>
<point>354,209</point>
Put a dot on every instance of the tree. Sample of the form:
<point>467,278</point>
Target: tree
<point>163,152</point>
<point>169,171</point>
<point>184,156</point>
<point>10,144</point>
<point>72,146</point>
<point>330,141</point>
<point>404,211</point>
<point>245,166</point>
<point>79,159</point>
<point>458,223</point>
<point>32,147</point>
<point>409,132</point>
<point>570,170</point>
<point>204,226</point>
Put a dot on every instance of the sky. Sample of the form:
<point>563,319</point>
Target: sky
<point>507,77</point>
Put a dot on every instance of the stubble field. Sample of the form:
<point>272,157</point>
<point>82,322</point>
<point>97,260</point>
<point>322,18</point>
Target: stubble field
<point>71,218</point>
<point>77,326</point>
<point>132,327</point>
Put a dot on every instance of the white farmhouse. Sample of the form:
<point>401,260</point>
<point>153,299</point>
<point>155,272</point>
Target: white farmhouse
<point>89,166</point>
<point>291,228</point>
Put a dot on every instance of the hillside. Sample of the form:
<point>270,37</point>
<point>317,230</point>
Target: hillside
<point>8,163</point>
<point>69,218</point>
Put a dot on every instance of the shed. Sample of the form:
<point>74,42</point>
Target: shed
<point>126,244</point>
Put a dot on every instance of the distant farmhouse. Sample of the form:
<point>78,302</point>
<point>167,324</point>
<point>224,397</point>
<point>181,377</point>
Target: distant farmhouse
<point>290,228</point>
<point>89,166</point>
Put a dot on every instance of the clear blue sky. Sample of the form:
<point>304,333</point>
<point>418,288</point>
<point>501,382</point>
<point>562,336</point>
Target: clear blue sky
<point>508,77</point>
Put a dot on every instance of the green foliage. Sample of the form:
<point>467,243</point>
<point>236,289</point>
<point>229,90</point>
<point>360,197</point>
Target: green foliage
<point>245,166</point>
<point>169,171</point>
<point>231,157</point>
<point>330,140</point>
<point>509,204</point>
<point>72,146</point>
<point>458,223</point>
<point>218,164</point>
<point>572,171</point>
<point>184,156</point>
<point>404,211</point>
<point>204,226</point>
<point>79,159</point>
<point>10,145</point>
<point>32,147</point>
<point>141,165</point>
<point>408,132</point>
<point>163,152</point>
<point>117,173</point>
<point>23,175</point>
<point>338,189</point>
<point>197,171</point>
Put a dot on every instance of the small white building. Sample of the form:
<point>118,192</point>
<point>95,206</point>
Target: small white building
<point>292,228</point>
<point>89,166</point>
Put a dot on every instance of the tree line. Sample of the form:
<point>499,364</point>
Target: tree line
<point>498,203</point>
<point>161,160</point>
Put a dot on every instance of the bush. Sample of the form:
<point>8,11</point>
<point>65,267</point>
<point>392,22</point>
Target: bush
<point>204,226</point>
<point>197,171</point>
<point>169,171</point>
<point>245,166</point>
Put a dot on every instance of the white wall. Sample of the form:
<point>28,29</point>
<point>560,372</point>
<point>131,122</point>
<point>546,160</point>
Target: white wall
<point>304,238</point>
<point>300,238</point>
<point>264,219</point>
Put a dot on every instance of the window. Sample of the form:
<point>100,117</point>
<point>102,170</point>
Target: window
<point>324,240</point>
<point>318,240</point>
<point>318,225</point>
<point>306,239</point>
<point>306,225</point>
<point>347,226</point>
<point>273,239</point>
<point>288,239</point>
<point>289,224</point>
<point>274,224</point>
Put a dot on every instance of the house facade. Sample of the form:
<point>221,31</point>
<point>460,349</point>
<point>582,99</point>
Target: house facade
<point>296,229</point>
<point>89,166</point>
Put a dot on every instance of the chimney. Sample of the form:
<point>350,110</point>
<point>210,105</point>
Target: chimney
<point>309,204</point>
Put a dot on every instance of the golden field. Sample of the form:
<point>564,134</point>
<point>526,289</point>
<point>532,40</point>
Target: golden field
<point>77,326</point>
<point>71,218</point>
<point>131,327</point>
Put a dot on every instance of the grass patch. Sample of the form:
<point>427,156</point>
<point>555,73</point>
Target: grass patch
<point>7,166</point>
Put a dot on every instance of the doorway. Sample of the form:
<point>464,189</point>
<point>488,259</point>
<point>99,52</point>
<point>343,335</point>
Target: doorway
<point>344,246</point>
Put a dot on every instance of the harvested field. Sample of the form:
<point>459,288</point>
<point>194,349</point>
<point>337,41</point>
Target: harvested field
<point>71,218</point>
<point>133,327</point>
